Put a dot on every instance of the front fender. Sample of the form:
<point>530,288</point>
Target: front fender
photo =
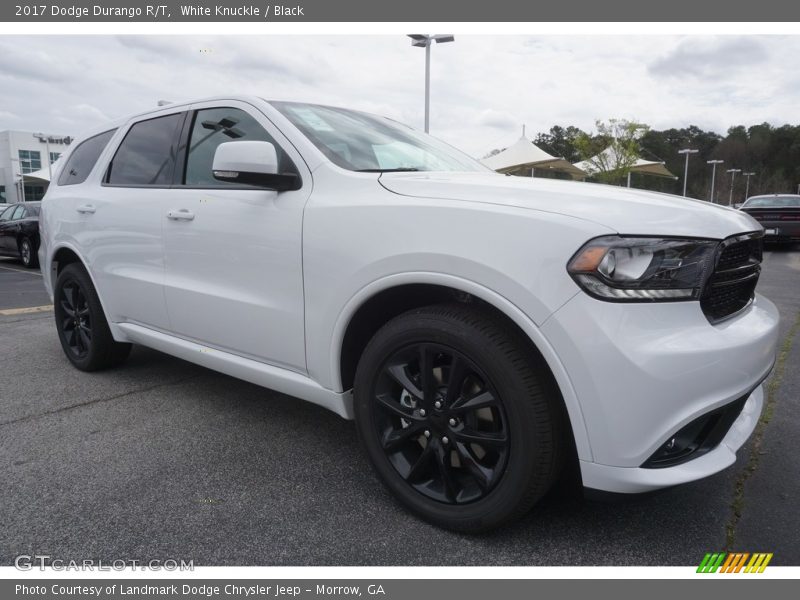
<point>497,301</point>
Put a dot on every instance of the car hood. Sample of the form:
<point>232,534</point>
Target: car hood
<point>625,210</point>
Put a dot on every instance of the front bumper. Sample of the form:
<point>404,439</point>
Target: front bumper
<point>637,480</point>
<point>642,372</point>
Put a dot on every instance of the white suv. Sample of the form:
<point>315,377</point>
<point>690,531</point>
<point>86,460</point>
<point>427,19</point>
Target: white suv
<point>484,331</point>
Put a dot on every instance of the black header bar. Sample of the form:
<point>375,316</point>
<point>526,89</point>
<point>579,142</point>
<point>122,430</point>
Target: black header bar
<point>405,11</point>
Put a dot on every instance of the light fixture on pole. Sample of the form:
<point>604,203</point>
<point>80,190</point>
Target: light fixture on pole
<point>421,40</point>
<point>687,152</point>
<point>713,164</point>
<point>733,173</point>
<point>747,186</point>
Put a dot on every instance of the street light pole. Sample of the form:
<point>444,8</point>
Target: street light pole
<point>427,87</point>
<point>687,152</point>
<point>713,164</point>
<point>21,178</point>
<point>747,186</point>
<point>733,173</point>
<point>425,41</point>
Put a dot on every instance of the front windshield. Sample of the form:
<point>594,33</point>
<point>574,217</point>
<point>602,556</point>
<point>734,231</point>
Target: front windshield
<point>773,202</point>
<point>360,142</point>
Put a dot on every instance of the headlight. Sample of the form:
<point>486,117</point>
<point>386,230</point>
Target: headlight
<point>636,269</point>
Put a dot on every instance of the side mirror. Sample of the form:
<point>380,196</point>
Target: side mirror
<point>252,163</point>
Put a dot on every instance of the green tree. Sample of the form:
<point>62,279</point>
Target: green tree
<point>613,150</point>
<point>560,142</point>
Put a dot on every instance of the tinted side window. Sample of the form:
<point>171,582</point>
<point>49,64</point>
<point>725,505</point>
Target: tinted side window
<point>213,126</point>
<point>147,154</point>
<point>83,158</point>
<point>18,212</point>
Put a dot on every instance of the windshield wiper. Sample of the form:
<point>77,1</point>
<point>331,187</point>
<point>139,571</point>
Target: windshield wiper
<point>396,170</point>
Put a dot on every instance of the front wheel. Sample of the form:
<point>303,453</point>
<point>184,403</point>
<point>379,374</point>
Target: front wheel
<point>82,327</point>
<point>458,417</point>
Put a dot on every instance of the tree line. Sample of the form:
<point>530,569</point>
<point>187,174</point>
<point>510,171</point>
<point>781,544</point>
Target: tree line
<point>772,153</point>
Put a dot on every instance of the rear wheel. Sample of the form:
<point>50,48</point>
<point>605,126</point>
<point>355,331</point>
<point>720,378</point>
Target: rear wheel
<point>457,416</point>
<point>82,327</point>
<point>27,253</point>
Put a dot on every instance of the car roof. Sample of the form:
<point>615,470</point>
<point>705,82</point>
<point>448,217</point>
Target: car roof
<point>774,196</point>
<point>160,110</point>
<point>183,105</point>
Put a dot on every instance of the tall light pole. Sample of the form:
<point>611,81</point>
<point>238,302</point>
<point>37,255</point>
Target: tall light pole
<point>424,41</point>
<point>687,152</point>
<point>733,173</point>
<point>747,187</point>
<point>21,179</point>
<point>713,164</point>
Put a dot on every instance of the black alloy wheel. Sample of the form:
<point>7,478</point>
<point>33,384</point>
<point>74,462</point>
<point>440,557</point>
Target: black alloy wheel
<point>459,416</point>
<point>75,318</point>
<point>441,423</point>
<point>82,326</point>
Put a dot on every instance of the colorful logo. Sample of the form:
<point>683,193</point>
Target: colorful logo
<point>734,562</point>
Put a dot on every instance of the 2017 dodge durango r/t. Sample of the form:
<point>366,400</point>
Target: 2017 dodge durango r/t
<point>484,331</point>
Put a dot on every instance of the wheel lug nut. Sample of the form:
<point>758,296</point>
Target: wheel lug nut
<point>422,412</point>
<point>452,422</point>
<point>445,440</point>
<point>437,404</point>
<point>427,433</point>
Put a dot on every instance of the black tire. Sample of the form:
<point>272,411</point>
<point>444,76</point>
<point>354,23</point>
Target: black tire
<point>27,253</point>
<point>483,485</point>
<point>82,327</point>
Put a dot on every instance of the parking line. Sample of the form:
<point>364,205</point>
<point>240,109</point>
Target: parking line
<point>26,271</point>
<point>7,312</point>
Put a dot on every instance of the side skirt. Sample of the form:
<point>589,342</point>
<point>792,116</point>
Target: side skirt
<point>268,376</point>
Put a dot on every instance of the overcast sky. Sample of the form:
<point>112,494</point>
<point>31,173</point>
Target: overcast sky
<point>484,88</point>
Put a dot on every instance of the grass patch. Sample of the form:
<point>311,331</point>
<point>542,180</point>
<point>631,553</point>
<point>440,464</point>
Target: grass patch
<point>770,399</point>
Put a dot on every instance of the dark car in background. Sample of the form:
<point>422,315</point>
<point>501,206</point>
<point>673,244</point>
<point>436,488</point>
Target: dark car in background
<point>19,232</point>
<point>779,215</point>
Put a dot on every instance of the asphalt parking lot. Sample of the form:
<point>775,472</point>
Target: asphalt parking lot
<point>163,459</point>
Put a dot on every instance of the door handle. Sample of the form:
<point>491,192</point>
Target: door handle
<point>180,215</point>
<point>86,209</point>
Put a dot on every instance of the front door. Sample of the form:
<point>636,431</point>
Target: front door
<point>233,253</point>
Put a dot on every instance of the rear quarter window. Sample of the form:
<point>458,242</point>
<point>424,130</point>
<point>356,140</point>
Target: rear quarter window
<point>82,160</point>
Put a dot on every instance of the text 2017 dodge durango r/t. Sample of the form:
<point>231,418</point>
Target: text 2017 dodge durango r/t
<point>482,330</point>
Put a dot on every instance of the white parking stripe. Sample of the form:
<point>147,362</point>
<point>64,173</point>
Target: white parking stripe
<point>7,312</point>
<point>26,271</point>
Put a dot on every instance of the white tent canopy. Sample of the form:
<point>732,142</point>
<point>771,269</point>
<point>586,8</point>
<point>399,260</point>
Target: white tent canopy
<point>646,167</point>
<point>37,176</point>
<point>524,155</point>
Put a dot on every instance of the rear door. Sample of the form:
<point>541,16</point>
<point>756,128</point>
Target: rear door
<point>234,277</point>
<point>122,233</point>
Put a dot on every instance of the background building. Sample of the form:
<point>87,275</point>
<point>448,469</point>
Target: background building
<point>27,156</point>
